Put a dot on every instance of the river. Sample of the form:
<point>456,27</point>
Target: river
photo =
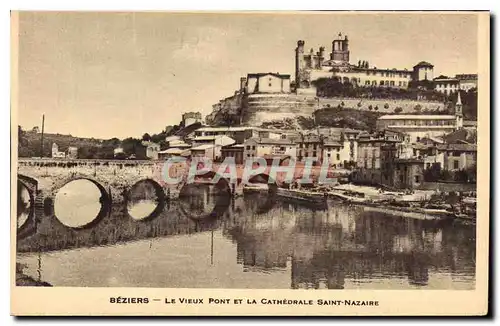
<point>205,240</point>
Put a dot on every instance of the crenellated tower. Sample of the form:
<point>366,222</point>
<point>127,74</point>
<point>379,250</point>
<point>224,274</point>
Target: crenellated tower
<point>340,49</point>
<point>299,62</point>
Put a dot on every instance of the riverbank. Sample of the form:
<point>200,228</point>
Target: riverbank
<point>25,280</point>
<point>419,204</point>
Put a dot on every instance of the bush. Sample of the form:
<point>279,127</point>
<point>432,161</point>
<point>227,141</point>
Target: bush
<point>398,110</point>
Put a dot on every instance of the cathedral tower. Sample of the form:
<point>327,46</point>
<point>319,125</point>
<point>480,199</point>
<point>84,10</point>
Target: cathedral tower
<point>340,49</point>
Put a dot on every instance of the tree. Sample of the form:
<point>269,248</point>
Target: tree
<point>418,108</point>
<point>146,137</point>
<point>398,110</point>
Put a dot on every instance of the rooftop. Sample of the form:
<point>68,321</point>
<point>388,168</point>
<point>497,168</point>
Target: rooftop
<point>458,147</point>
<point>424,64</point>
<point>276,74</point>
<point>272,141</point>
<point>417,117</point>
<point>171,151</point>
<point>202,147</point>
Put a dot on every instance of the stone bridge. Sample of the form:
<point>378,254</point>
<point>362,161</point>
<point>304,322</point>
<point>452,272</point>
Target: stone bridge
<point>43,178</point>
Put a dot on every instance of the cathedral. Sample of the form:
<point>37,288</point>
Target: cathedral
<point>313,66</point>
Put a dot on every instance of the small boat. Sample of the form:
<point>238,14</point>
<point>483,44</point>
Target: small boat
<point>255,188</point>
<point>464,219</point>
<point>442,213</point>
<point>402,213</point>
<point>301,195</point>
<point>347,198</point>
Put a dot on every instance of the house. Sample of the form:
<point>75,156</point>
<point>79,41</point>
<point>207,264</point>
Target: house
<point>56,153</point>
<point>207,151</point>
<point>170,152</point>
<point>332,147</point>
<point>218,140</point>
<point>310,145</point>
<point>374,152</point>
<point>266,147</point>
<point>458,156</point>
<point>72,152</point>
<point>151,149</point>
<point>235,151</point>
<point>118,152</point>
<point>239,134</point>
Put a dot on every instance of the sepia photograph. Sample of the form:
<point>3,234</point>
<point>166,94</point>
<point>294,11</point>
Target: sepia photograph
<point>326,152</point>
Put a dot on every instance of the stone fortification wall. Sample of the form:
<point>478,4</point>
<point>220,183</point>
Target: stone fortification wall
<point>267,107</point>
<point>383,105</point>
<point>260,108</point>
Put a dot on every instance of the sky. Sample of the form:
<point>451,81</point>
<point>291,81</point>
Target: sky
<point>107,75</point>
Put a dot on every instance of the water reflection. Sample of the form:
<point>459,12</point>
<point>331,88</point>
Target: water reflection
<point>285,246</point>
<point>144,202</point>
<point>78,203</point>
<point>24,205</point>
<point>203,202</point>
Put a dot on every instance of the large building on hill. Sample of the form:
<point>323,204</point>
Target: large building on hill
<point>315,65</point>
<point>449,85</point>
<point>423,125</point>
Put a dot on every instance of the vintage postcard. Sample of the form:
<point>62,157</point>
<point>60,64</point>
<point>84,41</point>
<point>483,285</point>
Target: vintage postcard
<point>250,163</point>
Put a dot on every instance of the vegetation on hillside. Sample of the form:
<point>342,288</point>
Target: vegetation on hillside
<point>29,144</point>
<point>424,90</point>
<point>333,87</point>
<point>346,118</point>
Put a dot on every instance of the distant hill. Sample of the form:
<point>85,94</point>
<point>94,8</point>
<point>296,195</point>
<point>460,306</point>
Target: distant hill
<point>29,143</point>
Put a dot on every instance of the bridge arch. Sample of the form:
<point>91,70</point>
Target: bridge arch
<point>22,205</point>
<point>222,199</point>
<point>105,199</point>
<point>158,190</point>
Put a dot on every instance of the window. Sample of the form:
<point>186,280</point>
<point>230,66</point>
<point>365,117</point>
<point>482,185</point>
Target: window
<point>300,145</point>
<point>392,82</point>
<point>374,82</point>
<point>338,157</point>
<point>248,147</point>
<point>417,179</point>
<point>314,154</point>
<point>455,165</point>
<point>329,155</point>
<point>306,154</point>
<point>314,146</point>
<point>253,147</point>
<point>428,165</point>
<point>381,83</point>
<point>367,82</point>
<point>269,84</point>
<point>338,149</point>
